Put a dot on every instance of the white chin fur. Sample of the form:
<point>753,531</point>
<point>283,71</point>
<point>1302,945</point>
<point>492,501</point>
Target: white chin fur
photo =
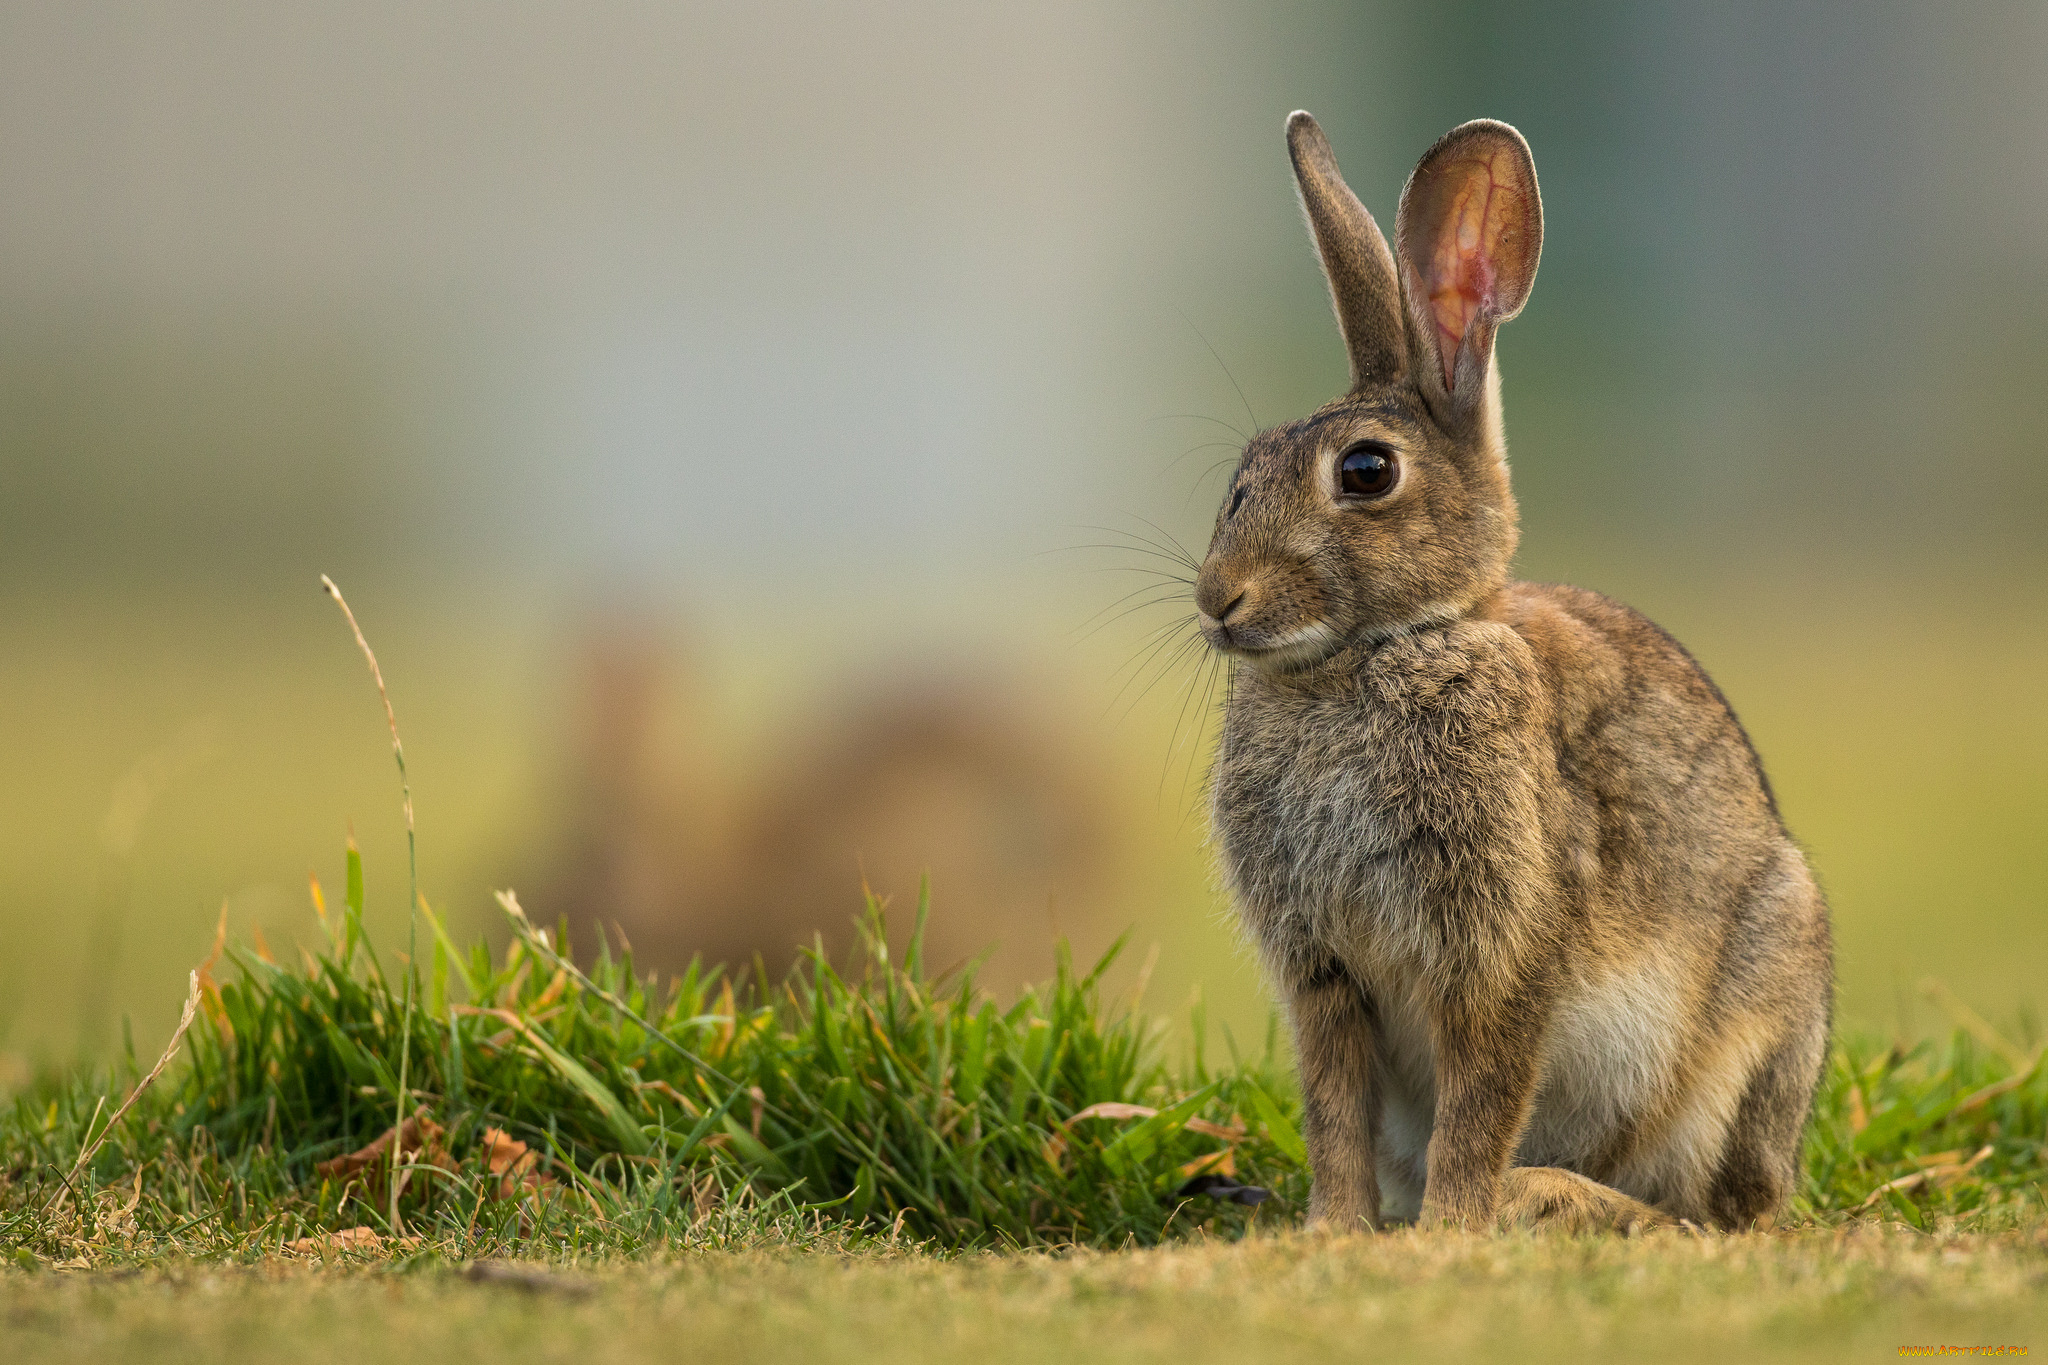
<point>1296,649</point>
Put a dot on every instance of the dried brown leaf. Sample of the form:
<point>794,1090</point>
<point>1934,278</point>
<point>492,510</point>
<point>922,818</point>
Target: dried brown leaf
<point>552,993</point>
<point>1978,1099</point>
<point>419,1143</point>
<point>1232,1133</point>
<point>1938,1176</point>
<point>514,1163</point>
<point>1216,1163</point>
<point>216,1008</point>
<point>347,1239</point>
<point>1939,1158</point>
<point>1055,1151</point>
<point>1114,1109</point>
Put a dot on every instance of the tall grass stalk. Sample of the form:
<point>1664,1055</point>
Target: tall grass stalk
<point>412,901</point>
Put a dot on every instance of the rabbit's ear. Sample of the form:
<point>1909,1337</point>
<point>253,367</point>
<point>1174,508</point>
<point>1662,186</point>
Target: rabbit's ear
<point>1470,230</point>
<point>1363,286</point>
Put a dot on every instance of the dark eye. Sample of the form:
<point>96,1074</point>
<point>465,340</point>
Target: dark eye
<point>1236,501</point>
<point>1367,471</point>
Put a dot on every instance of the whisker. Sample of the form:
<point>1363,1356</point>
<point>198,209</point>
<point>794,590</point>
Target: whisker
<point>1201,479</point>
<point>1173,661</point>
<point>1204,417</point>
<point>1159,596</point>
<point>1180,720</point>
<point>1169,545</point>
<point>1217,664</point>
<point>1171,549</point>
<point>1149,644</point>
<point>1165,644</point>
<point>1154,586</point>
<point>1187,556</point>
<point>1164,554</point>
<point>1225,368</point>
<point>1160,574</point>
<point>1098,627</point>
<point>1206,445</point>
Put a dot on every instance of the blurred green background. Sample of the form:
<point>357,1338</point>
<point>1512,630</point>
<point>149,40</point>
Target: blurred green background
<point>698,401</point>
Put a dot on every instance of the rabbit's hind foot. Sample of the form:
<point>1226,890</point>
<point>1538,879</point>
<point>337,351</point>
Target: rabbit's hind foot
<point>1553,1199</point>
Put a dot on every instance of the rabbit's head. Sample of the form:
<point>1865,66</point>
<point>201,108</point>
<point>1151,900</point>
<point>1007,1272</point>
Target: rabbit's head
<point>1389,508</point>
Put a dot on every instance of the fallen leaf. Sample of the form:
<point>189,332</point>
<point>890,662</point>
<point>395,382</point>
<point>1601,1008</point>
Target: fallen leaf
<point>1216,1163</point>
<point>1116,1109</point>
<point>1939,1158</point>
<point>1233,1133</point>
<point>419,1141</point>
<point>513,1162</point>
<point>216,1008</point>
<point>347,1239</point>
<point>1112,1109</point>
<point>1930,1175</point>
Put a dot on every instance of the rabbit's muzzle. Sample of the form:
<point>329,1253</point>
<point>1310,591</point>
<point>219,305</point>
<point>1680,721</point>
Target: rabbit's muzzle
<point>1272,615</point>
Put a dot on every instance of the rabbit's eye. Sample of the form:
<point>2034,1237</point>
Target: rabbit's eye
<point>1236,501</point>
<point>1367,471</point>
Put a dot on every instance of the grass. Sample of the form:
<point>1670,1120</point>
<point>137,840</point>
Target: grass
<point>881,1098</point>
<point>1856,1293</point>
<point>874,1102</point>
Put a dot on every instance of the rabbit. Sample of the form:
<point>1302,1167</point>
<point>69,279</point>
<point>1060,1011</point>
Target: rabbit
<point>1547,950</point>
<point>684,851</point>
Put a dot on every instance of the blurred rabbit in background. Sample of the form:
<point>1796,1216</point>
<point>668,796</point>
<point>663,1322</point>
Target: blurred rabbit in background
<point>691,849</point>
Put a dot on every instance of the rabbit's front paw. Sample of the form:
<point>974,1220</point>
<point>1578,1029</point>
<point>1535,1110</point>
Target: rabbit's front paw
<point>1337,1209</point>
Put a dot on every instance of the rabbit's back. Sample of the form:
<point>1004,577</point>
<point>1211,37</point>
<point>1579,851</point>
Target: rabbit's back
<point>1703,977</point>
<point>1664,810</point>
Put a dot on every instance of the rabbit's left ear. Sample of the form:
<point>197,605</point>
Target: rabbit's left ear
<point>1363,287</point>
<point>1469,232</point>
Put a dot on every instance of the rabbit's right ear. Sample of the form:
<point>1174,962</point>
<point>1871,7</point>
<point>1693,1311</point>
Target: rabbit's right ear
<point>1470,229</point>
<point>1363,286</point>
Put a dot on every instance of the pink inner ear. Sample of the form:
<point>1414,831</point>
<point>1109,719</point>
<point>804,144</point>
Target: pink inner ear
<point>1461,267</point>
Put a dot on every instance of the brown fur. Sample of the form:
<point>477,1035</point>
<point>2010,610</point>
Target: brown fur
<point>688,846</point>
<point>1549,953</point>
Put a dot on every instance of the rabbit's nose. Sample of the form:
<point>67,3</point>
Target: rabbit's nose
<point>1217,598</point>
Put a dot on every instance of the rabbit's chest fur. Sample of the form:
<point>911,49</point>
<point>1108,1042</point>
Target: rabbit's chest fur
<point>1389,815</point>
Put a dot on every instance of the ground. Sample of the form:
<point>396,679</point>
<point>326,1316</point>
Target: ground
<point>1859,1293</point>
